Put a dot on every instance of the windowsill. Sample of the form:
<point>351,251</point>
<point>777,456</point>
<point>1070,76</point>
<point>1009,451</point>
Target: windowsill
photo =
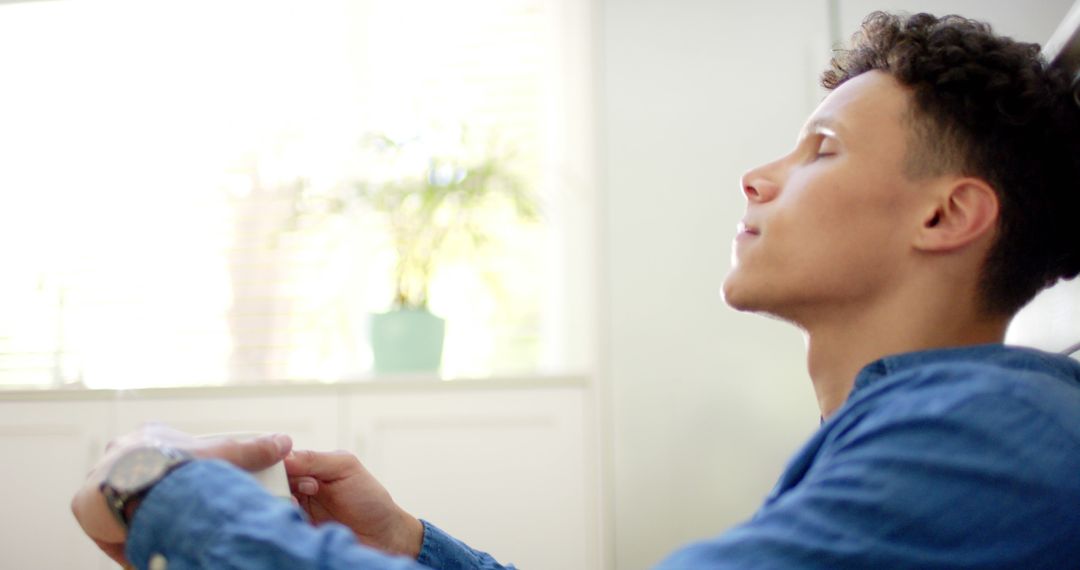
<point>380,384</point>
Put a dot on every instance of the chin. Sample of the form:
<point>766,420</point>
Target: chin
<point>748,297</point>
<point>735,295</point>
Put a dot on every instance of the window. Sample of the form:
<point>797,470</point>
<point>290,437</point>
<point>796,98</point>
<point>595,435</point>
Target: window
<point>153,152</point>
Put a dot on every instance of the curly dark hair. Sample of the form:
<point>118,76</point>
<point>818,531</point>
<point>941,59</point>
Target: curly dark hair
<point>989,107</point>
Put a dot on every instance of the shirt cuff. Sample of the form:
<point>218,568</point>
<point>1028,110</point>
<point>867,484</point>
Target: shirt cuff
<point>444,552</point>
<point>183,513</point>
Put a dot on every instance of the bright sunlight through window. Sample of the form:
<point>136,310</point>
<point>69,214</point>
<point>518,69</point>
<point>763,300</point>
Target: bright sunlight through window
<point>183,186</point>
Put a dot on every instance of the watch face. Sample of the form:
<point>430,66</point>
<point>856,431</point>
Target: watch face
<point>138,468</point>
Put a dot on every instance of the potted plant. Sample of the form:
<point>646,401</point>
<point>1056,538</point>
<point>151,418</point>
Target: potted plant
<point>431,214</point>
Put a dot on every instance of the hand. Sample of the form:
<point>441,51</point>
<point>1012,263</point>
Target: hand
<point>335,487</point>
<point>89,505</point>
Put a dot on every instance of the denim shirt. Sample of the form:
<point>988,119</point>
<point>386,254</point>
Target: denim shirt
<point>210,515</point>
<point>956,458</point>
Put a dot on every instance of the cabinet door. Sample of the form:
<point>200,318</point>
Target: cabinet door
<point>312,421</point>
<point>506,471</point>
<point>48,447</point>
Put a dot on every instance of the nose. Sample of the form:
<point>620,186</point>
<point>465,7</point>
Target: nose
<point>758,185</point>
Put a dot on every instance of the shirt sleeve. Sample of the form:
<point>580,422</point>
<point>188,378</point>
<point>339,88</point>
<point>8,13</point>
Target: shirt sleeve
<point>209,515</point>
<point>964,487</point>
<point>444,552</point>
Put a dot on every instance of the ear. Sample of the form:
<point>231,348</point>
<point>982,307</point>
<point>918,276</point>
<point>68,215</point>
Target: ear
<point>964,211</point>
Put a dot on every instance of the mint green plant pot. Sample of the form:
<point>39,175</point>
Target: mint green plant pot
<point>407,340</point>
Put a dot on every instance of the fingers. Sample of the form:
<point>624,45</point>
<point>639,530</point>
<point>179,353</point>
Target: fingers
<point>89,504</point>
<point>248,454</point>
<point>304,485</point>
<point>94,516</point>
<point>304,502</point>
<point>324,466</point>
<point>251,455</point>
<point>114,551</point>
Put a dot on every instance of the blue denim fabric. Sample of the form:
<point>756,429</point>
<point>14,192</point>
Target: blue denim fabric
<point>958,458</point>
<point>445,552</point>
<point>209,515</point>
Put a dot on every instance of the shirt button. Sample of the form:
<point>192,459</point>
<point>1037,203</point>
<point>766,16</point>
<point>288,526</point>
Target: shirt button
<point>158,562</point>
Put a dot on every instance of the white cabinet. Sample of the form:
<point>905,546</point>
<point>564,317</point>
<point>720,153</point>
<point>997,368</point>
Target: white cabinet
<point>506,471</point>
<point>47,448</point>
<point>509,469</point>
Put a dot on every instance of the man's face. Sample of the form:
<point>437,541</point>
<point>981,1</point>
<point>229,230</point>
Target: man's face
<point>828,227</point>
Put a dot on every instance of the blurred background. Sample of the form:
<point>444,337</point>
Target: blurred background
<point>206,208</point>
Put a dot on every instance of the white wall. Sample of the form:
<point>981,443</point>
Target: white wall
<point>705,404</point>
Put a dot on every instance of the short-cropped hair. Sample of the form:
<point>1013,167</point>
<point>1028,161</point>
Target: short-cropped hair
<point>986,106</point>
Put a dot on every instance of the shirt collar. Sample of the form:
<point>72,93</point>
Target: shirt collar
<point>899,362</point>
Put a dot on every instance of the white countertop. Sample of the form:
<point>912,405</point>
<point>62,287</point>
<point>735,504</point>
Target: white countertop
<point>382,384</point>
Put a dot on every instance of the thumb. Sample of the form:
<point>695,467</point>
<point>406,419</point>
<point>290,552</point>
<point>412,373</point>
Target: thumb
<point>251,455</point>
<point>323,465</point>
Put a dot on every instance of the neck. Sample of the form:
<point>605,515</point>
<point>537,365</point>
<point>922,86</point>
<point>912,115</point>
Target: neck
<point>840,345</point>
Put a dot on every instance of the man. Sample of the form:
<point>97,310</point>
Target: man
<point>928,198</point>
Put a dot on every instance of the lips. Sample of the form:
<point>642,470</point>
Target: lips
<point>748,229</point>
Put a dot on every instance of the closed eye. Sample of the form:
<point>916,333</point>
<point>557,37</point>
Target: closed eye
<point>825,147</point>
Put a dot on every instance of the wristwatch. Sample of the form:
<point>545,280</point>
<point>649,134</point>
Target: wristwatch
<point>135,473</point>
